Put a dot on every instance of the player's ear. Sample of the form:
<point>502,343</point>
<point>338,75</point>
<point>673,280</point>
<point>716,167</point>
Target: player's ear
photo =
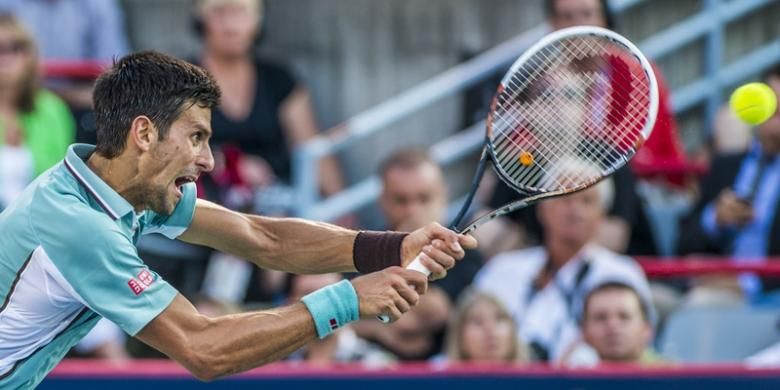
<point>143,133</point>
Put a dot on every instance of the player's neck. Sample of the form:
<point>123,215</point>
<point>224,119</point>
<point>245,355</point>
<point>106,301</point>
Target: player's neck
<point>120,175</point>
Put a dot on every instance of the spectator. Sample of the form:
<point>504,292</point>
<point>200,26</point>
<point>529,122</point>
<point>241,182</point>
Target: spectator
<point>737,213</point>
<point>626,229</point>
<point>414,194</point>
<point>264,112</point>
<point>36,127</point>
<point>343,346</point>
<point>77,30</point>
<point>616,327</point>
<point>481,330</point>
<point>541,285</point>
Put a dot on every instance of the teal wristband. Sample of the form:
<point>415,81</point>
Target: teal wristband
<point>333,307</point>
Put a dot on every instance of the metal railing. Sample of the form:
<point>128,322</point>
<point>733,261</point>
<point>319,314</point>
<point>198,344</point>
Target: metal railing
<point>709,23</point>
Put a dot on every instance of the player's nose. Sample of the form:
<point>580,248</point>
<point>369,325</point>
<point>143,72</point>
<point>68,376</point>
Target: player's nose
<point>205,159</point>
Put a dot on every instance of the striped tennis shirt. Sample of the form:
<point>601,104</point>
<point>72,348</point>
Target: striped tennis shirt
<point>68,257</point>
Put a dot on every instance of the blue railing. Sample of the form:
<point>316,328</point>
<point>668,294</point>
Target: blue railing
<point>709,23</point>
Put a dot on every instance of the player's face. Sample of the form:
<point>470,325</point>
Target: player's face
<point>574,218</point>
<point>178,159</point>
<point>15,58</point>
<point>614,325</point>
<point>769,131</point>
<point>487,333</point>
<point>413,197</point>
<point>231,27</point>
<point>570,13</point>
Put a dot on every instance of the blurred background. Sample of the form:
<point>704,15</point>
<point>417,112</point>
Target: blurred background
<point>369,114</point>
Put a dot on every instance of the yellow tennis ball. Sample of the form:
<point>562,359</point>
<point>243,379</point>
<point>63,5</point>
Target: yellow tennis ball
<point>753,103</point>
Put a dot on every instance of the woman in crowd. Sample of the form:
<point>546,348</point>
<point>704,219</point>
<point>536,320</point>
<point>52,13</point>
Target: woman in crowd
<point>482,331</point>
<point>36,127</point>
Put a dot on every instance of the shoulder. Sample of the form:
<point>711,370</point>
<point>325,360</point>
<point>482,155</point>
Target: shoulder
<point>62,217</point>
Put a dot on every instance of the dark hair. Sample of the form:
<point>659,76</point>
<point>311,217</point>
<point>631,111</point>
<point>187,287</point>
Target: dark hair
<point>405,159</point>
<point>620,286</point>
<point>609,17</point>
<point>147,83</point>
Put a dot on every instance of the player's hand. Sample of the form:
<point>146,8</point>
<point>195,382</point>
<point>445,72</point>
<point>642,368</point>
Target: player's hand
<point>392,291</point>
<point>732,211</point>
<point>440,248</point>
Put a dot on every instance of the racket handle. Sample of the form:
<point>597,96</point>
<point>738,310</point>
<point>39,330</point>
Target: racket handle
<point>415,265</point>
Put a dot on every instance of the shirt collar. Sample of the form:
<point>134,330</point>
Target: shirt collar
<point>112,203</point>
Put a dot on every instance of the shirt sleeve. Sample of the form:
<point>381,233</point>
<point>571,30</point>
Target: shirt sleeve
<point>174,225</point>
<point>103,271</point>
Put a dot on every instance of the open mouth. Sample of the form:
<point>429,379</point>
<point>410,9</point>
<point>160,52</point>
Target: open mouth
<point>181,181</point>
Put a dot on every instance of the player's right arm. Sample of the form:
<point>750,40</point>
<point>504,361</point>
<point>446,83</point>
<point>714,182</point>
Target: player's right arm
<point>214,347</point>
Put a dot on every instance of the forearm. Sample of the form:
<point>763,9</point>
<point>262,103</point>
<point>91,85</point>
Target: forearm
<point>244,341</point>
<point>298,246</point>
<point>286,244</point>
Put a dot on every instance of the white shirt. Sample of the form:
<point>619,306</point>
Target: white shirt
<point>549,316</point>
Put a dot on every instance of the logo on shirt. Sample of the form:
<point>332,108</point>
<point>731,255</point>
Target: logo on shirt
<point>145,279</point>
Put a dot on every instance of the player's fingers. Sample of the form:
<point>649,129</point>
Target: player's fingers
<point>467,241</point>
<point>400,303</point>
<point>392,312</point>
<point>415,279</point>
<point>411,297</point>
<point>437,269</point>
<point>437,231</point>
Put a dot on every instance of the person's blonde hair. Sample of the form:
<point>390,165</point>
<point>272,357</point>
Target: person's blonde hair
<point>25,99</point>
<point>467,301</point>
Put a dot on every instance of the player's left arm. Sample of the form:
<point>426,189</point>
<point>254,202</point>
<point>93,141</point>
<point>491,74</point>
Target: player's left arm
<point>301,246</point>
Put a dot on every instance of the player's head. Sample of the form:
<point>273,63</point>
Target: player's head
<point>769,131</point>
<point>615,322</point>
<point>482,330</point>
<point>574,219</point>
<point>229,28</point>
<point>413,190</point>
<point>18,62</point>
<point>569,13</point>
<point>155,112</point>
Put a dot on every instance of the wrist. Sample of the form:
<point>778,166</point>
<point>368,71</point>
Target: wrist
<point>332,307</point>
<point>375,251</point>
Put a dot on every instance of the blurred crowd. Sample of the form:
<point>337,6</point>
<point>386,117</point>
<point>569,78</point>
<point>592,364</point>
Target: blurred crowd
<point>555,283</point>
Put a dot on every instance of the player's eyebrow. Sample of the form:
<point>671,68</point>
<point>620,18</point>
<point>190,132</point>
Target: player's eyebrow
<point>204,129</point>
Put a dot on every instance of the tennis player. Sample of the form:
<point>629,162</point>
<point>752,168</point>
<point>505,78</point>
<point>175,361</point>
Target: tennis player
<point>68,244</point>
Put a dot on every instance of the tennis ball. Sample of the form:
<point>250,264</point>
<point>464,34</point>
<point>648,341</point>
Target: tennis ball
<point>753,103</point>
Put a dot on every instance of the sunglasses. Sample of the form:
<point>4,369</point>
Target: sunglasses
<point>13,47</point>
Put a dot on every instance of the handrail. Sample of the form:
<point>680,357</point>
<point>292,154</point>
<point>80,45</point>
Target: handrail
<point>710,20</point>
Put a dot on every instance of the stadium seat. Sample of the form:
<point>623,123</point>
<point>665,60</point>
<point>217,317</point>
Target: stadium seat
<point>719,334</point>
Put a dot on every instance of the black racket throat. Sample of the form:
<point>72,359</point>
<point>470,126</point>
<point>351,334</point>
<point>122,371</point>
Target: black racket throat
<point>470,197</point>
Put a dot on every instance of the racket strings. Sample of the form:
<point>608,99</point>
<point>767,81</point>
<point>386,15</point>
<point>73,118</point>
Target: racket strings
<point>555,110</point>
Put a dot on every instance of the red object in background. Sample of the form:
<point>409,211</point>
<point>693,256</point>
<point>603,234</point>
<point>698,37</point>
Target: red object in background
<point>75,69</point>
<point>663,154</point>
<point>668,267</point>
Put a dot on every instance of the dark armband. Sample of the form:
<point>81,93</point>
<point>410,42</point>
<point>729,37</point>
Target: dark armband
<point>374,251</point>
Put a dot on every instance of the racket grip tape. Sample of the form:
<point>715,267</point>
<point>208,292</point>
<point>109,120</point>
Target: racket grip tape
<point>415,265</point>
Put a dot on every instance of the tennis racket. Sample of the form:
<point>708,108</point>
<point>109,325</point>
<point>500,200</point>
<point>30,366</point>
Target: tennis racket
<point>570,111</point>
